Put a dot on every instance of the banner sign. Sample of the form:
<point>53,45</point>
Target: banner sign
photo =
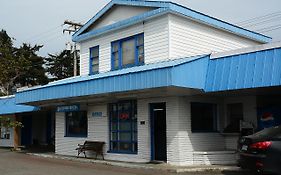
<point>68,108</point>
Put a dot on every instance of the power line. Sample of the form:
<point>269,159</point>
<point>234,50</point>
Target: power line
<point>36,36</point>
<point>277,28</point>
<point>52,38</point>
<point>258,18</point>
<point>271,28</point>
<point>268,28</point>
<point>264,21</point>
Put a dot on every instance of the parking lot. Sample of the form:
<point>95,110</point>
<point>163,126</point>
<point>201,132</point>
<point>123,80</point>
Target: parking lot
<point>12,163</point>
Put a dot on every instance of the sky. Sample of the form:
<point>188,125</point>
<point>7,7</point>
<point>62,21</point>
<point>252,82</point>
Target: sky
<point>40,22</point>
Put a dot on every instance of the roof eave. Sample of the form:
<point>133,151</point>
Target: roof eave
<point>165,8</point>
<point>156,4</point>
<point>217,23</point>
<point>121,24</point>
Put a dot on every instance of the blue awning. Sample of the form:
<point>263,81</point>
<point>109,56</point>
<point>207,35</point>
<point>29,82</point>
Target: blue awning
<point>8,106</point>
<point>255,69</point>
<point>186,72</point>
<point>243,71</point>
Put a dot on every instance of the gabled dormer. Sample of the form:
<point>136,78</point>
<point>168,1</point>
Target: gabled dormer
<point>129,33</point>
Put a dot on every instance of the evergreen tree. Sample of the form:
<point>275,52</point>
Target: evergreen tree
<point>19,66</point>
<point>60,66</point>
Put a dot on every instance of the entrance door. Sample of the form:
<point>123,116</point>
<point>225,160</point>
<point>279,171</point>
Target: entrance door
<point>26,131</point>
<point>158,132</point>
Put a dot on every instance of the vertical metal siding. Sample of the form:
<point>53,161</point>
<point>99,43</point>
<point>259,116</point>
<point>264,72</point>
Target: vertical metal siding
<point>8,106</point>
<point>251,70</point>
<point>118,83</point>
<point>192,75</point>
<point>184,73</point>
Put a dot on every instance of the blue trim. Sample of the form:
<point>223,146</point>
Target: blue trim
<point>152,152</point>
<point>162,8</point>
<point>218,23</point>
<point>76,136</point>
<point>91,60</point>
<point>120,24</point>
<point>119,2</point>
<point>120,56</point>
<point>121,152</point>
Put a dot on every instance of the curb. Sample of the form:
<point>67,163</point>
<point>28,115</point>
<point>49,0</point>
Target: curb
<point>216,169</point>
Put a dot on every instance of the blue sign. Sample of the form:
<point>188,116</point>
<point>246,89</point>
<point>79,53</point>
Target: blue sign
<point>68,108</point>
<point>97,114</point>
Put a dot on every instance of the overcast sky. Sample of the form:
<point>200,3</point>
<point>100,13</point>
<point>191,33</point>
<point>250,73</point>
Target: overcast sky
<point>40,22</point>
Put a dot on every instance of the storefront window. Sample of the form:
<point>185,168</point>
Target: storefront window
<point>76,124</point>
<point>123,127</point>
<point>234,116</point>
<point>203,117</point>
<point>5,132</point>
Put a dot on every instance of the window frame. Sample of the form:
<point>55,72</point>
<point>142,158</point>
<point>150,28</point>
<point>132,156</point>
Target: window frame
<point>119,51</point>
<point>5,133</point>
<point>132,131</point>
<point>91,72</point>
<point>215,118</point>
<point>66,134</point>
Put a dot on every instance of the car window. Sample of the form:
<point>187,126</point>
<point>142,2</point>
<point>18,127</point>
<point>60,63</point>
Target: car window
<point>266,133</point>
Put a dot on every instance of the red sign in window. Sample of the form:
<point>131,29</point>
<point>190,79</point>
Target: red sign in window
<point>124,116</point>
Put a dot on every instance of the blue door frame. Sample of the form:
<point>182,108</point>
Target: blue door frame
<point>151,132</point>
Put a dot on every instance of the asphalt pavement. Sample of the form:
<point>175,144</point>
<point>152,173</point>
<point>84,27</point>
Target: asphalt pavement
<point>13,163</point>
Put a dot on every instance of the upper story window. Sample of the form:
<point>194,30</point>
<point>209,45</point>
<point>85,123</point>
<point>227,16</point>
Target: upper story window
<point>94,60</point>
<point>127,52</point>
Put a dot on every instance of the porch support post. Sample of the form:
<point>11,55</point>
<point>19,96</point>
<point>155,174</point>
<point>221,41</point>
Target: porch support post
<point>16,135</point>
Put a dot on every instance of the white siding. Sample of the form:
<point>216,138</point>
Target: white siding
<point>190,38</point>
<point>155,44</point>
<point>179,147</point>
<point>156,40</point>
<point>181,141</point>
<point>183,146</point>
<point>98,131</point>
<point>215,158</point>
<point>119,13</point>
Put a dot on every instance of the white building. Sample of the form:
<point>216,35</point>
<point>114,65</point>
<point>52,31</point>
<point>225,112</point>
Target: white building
<point>151,91</point>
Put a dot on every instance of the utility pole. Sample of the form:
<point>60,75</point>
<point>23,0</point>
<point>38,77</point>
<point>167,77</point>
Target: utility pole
<point>72,27</point>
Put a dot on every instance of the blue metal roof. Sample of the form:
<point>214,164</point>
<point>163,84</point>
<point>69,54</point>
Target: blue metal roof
<point>186,72</point>
<point>162,7</point>
<point>254,69</point>
<point>8,106</point>
<point>249,70</point>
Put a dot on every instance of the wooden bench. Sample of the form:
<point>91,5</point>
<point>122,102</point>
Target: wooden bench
<point>94,146</point>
